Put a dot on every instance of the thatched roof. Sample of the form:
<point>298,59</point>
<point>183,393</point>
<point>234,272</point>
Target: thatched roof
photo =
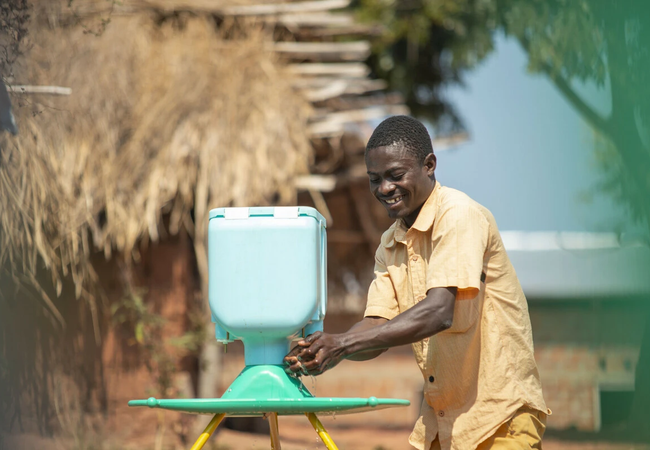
<point>176,106</point>
<point>162,118</point>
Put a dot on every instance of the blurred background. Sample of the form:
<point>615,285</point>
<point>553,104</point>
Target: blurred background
<point>124,122</point>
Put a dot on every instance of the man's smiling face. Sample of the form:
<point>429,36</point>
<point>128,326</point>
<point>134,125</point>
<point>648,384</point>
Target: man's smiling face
<point>400,181</point>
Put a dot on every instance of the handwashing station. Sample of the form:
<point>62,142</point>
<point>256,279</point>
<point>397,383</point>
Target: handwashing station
<point>268,286</point>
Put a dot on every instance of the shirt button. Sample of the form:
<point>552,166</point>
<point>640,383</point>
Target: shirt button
<point>441,413</point>
<point>415,258</point>
<point>431,378</point>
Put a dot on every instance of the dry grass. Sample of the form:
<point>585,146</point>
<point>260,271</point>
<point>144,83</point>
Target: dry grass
<point>168,118</point>
<point>162,118</point>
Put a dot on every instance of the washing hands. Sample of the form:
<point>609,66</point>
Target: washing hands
<point>316,354</point>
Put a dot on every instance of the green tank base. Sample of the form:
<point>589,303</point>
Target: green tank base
<point>260,390</point>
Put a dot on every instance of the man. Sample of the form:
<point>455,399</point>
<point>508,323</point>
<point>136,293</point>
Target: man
<point>444,283</point>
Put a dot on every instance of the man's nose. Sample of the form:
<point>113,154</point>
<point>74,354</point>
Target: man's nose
<point>386,187</point>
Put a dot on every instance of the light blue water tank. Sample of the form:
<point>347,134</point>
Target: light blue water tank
<point>268,277</point>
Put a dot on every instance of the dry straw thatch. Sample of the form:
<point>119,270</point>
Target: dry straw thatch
<point>162,118</point>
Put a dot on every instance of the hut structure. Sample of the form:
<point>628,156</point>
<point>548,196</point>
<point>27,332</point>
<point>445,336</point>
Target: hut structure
<point>134,119</point>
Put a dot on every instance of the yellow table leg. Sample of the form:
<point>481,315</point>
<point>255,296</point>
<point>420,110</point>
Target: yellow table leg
<point>322,432</point>
<point>275,433</point>
<point>214,423</point>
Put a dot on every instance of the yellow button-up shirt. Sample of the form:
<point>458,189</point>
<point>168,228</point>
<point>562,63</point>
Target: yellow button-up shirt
<point>481,370</point>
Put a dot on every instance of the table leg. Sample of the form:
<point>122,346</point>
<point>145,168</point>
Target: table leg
<point>214,423</point>
<point>275,434</point>
<point>322,432</point>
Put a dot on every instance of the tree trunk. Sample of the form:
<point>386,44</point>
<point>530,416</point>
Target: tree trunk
<point>636,160</point>
<point>640,413</point>
<point>625,131</point>
<point>210,358</point>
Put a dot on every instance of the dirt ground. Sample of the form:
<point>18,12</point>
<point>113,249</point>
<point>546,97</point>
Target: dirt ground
<point>298,436</point>
<point>295,432</point>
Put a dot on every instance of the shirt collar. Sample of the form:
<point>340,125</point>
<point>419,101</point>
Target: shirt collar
<point>427,214</point>
<point>423,222</point>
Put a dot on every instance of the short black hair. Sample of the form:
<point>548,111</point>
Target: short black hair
<point>403,130</point>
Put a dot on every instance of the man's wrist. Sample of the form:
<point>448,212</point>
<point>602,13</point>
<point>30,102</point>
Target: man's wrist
<point>352,344</point>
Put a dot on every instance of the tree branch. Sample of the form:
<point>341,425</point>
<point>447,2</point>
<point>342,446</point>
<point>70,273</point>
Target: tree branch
<point>587,113</point>
<point>591,116</point>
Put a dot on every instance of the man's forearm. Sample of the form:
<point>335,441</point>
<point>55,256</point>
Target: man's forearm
<point>367,324</point>
<point>432,315</point>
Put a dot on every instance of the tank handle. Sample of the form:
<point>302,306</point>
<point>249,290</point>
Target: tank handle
<point>323,270</point>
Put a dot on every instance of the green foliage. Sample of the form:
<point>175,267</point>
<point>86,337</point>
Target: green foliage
<point>133,310</point>
<point>419,56</point>
<point>144,327</point>
<point>160,354</point>
<point>194,337</point>
<point>561,36</point>
<point>614,180</point>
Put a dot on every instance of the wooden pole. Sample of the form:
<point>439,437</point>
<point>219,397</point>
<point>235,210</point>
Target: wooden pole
<point>274,431</point>
<point>348,70</point>
<point>278,8</point>
<point>51,90</point>
<point>332,51</point>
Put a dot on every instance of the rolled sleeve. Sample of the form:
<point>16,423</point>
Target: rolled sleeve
<point>382,301</point>
<point>460,237</point>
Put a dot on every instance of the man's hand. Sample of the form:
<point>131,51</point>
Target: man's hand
<point>316,353</point>
<point>296,365</point>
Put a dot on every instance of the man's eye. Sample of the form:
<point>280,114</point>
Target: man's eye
<point>374,180</point>
<point>398,177</point>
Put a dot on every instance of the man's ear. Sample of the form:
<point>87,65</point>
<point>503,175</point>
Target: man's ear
<point>430,162</point>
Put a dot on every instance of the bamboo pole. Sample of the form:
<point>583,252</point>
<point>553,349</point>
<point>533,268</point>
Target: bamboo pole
<point>333,123</point>
<point>322,183</point>
<point>317,20</point>
<point>85,8</point>
<point>333,51</point>
<point>27,89</point>
<point>278,8</point>
<point>338,87</point>
<point>351,70</point>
